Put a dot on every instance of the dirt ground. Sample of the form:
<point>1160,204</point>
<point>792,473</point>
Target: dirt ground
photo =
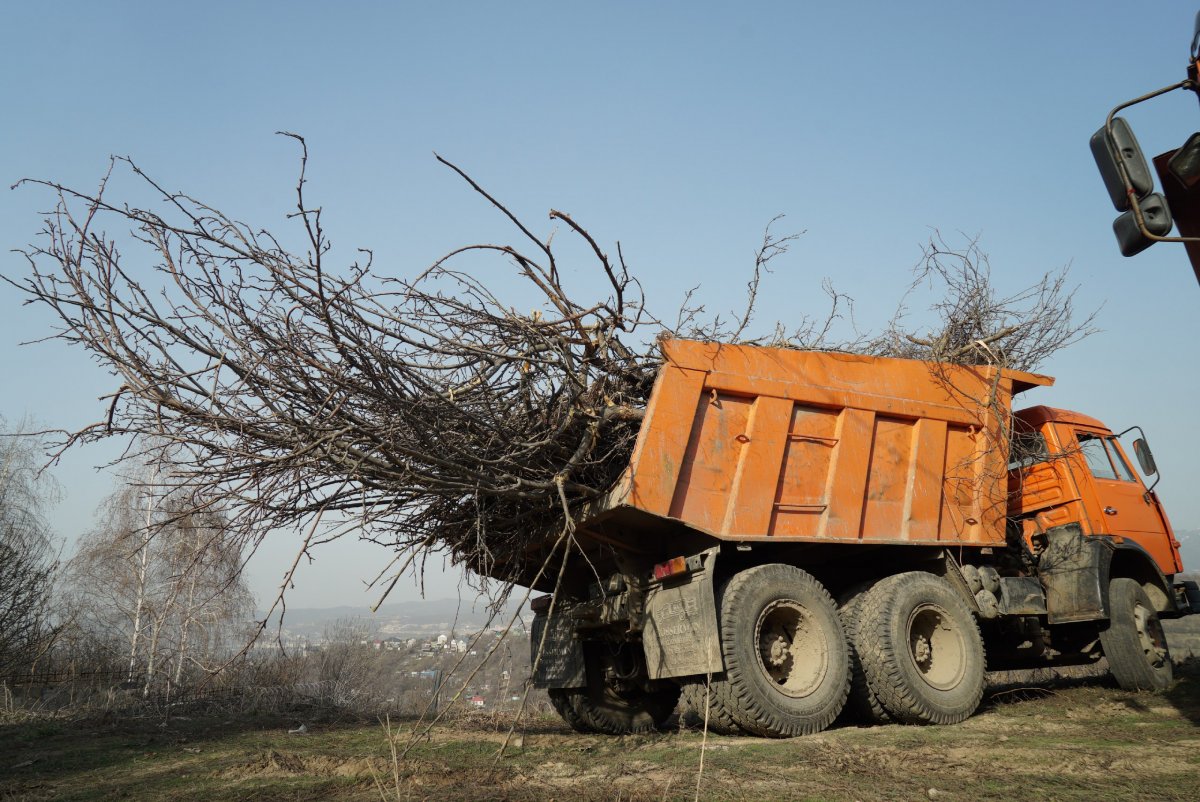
<point>1077,739</point>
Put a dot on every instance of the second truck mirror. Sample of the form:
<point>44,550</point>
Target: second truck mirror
<point>1158,222</point>
<point>1145,459</point>
<point>1121,148</point>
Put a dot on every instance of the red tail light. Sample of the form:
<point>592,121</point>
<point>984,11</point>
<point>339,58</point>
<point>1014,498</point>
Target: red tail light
<point>671,567</point>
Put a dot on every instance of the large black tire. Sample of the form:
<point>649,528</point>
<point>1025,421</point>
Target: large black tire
<point>623,713</point>
<point>701,696</point>
<point>862,705</point>
<point>1133,641</point>
<point>621,707</point>
<point>920,648</point>
<point>787,663</point>
<point>563,702</point>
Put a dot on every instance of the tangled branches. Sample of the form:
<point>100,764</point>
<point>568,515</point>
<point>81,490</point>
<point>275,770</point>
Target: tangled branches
<point>425,413</point>
<point>976,325</point>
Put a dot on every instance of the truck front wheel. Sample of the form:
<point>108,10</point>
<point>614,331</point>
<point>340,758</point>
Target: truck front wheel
<point>920,649</point>
<point>787,665</point>
<point>1133,642</point>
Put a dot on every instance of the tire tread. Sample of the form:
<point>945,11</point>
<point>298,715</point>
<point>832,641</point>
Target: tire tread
<point>734,694</point>
<point>862,704</point>
<point>877,645</point>
<point>1119,640</point>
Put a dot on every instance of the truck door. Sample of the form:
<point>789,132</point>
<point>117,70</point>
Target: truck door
<point>1127,510</point>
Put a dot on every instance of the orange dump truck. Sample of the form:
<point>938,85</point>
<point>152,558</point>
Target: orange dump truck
<point>798,533</point>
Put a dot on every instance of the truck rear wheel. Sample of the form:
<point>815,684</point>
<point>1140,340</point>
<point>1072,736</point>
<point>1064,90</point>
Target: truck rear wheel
<point>562,699</point>
<point>619,699</point>
<point>921,650</point>
<point>862,704</point>
<point>614,712</point>
<point>787,664</point>
<point>1133,641</point>
<point>703,700</point>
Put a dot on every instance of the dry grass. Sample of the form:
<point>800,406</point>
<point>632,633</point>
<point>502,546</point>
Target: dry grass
<point>1081,740</point>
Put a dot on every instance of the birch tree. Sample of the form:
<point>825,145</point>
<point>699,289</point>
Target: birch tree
<point>159,582</point>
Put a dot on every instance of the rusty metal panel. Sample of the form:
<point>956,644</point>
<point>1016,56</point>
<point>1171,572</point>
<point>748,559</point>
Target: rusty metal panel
<point>922,501</point>
<point>847,481</point>
<point>710,462</point>
<point>663,440</point>
<point>887,478</point>
<point>752,498</point>
<point>801,497</point>
<point>837,397</point>
<point>975,481</point>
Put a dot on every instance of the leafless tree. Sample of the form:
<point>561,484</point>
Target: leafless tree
<point>160,580</point>
<point>426,409</point>
<point>28,559</point>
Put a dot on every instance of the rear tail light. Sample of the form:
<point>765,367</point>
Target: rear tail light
<point>672,567</point>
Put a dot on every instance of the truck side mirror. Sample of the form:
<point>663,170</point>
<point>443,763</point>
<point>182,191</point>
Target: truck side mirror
<point>1141,450</point>
<point>1119,157</point>
<point>1121,149</point>
<point>1155,215</point>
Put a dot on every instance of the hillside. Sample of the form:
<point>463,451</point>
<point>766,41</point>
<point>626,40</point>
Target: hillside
<point>1082,741</point>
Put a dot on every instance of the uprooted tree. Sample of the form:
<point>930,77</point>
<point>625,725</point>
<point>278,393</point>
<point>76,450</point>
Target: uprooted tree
<point>423,413</point>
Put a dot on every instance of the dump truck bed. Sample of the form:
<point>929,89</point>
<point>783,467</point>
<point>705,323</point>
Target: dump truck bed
<point>748,443</point>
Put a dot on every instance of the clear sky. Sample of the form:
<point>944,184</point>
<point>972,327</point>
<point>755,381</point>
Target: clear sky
<point>679,129</point>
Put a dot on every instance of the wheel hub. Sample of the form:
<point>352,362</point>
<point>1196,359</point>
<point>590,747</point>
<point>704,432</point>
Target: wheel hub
<point>938,649</point>
<point>777,651</point>
<point>792,650</point>
<point>922,650</point>
<point>1150,634</point>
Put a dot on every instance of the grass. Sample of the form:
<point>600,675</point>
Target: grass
<point>1083,741</point>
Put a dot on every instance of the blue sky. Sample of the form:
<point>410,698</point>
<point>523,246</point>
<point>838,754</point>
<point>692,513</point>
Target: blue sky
<point>679,129</point>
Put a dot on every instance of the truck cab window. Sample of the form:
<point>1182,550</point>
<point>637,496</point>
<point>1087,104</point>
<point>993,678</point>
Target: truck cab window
<point>1124,473</point>
<point>1097,456</point>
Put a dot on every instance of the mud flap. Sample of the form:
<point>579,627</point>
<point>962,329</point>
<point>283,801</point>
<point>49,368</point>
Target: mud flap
<point>680,636</point>
<point>561,663</point>
<point>1074,571</point>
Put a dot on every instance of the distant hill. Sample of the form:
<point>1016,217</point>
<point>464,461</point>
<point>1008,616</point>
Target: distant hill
<point>423,618</point>
<point>1189,548</point>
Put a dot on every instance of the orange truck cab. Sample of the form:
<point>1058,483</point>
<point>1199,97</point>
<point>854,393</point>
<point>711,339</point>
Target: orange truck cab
<point>798,533</point>
<point>1091,484</point>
